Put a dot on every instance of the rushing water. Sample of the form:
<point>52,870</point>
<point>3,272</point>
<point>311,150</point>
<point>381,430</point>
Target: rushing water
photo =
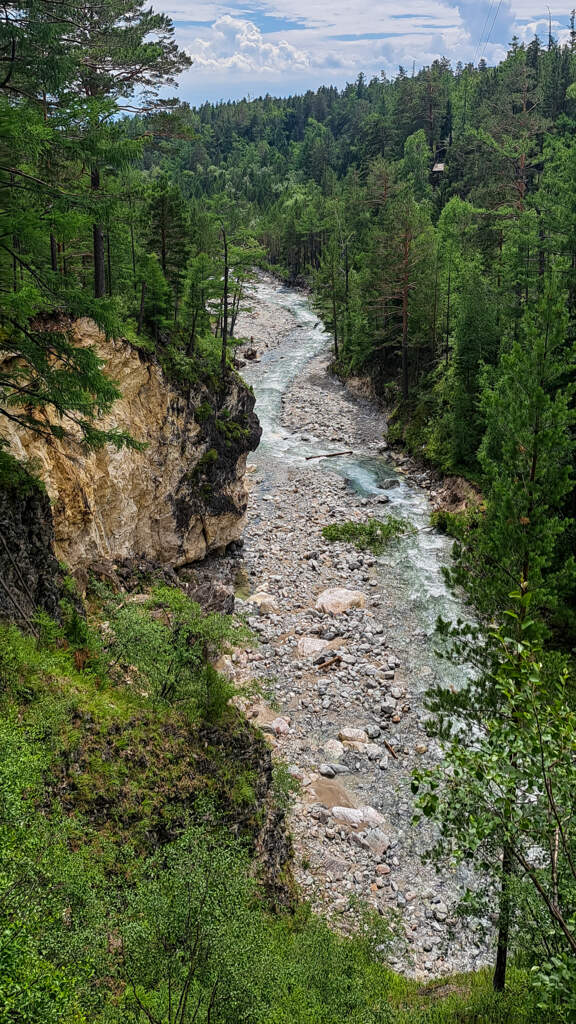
<point>412,567</point>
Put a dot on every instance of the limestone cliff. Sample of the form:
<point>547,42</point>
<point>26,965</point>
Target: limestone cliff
<point>180,498</point>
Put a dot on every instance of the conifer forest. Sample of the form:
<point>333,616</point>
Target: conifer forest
<point>289,740</point>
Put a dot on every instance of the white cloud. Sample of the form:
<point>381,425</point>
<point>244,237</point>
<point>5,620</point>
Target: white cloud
<point>237,45</point>
<point>237,48</point>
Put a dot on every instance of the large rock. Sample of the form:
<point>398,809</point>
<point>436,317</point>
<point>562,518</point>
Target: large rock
<point>334,748</point>
<point>337,600</point>
<point>213,596</point>
<point>359,817</point>
<point>377,841</point>
<point>178,499</point>
<point>310,645</point>
<point>349,735</point>
<point>266,604</point>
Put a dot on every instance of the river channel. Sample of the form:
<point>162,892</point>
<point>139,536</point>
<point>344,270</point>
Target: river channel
<point>383,656</point>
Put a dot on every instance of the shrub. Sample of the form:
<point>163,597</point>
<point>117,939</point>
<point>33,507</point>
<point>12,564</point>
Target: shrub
<point>171,643</point>
<point>373,535</point>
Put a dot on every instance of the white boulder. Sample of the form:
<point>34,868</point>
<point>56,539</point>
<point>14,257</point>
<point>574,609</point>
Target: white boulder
<point>337,600</point>
<point>359,817</point>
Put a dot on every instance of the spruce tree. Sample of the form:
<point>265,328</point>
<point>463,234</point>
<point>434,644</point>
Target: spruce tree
<point>527,459</point>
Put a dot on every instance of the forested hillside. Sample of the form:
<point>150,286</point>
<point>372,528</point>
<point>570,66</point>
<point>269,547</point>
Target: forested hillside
<point>433,217</point>
<point>145,865</point>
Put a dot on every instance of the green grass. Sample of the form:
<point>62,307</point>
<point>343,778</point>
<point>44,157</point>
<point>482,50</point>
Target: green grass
<point>464,999</point>
<point>372,535</point>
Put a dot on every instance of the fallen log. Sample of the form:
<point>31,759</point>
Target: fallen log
<point>327,455</point>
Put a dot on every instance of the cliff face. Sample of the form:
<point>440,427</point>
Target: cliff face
<point>174,502</point>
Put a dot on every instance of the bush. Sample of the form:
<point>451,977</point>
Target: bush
<point>171,643</point>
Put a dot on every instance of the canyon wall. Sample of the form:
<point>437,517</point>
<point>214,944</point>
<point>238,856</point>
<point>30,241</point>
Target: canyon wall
<point>178,499</point>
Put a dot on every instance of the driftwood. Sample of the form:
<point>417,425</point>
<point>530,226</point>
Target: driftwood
<point>327,455</point>
<point>390,749</point>
<point>326,664</point>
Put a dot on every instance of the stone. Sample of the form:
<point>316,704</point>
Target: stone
<point>350,735</point>
<point>335,868</point>
<point>213,596</point>
<point>309,645</point>
<point>388,705</point>
<point>337,600</point>
<point>358,817</point>
<point>280,725</point>
<point>225,667</point>
<point>327,771</point>
<point>266,604</point>
<point>377,841</point>
<point>440,911</point>
<point>374,751</point>
<point>334,748</point>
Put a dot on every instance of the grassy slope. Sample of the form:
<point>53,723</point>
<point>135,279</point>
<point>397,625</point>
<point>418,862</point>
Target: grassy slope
<point>119,779</point>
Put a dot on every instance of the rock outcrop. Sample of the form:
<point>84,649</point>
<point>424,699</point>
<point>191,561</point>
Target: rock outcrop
<point>30,577</point>
<point>180,498</point>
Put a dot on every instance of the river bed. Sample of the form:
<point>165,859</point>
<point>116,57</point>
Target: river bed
<point>382,657</point>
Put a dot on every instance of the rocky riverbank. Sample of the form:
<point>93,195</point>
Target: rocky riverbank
<point>344,686</point>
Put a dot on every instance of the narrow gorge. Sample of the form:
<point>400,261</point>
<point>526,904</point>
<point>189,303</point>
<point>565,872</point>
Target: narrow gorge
<point>347,689</point>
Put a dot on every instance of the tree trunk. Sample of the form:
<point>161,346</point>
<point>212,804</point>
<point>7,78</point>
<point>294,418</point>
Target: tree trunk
<point>53,254</point>
<point>499,980</point>
<point>141,310</point>
<point>191,347</point>
<point>405,290</point>
<point>163,248</point>
<point>109,263</point>
<point>447,344</point>
<point>133,252</point>
<point>334,315</point>
<point>98,244</point>
<point>225,304</point>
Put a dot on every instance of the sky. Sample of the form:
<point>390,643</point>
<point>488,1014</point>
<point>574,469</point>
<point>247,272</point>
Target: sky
<point>283,47</point>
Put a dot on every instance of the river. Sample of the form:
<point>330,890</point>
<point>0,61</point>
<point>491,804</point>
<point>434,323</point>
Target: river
<point>383,656</point>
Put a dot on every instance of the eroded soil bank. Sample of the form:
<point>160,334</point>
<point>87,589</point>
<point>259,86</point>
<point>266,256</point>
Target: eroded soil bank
<point>344,704</point>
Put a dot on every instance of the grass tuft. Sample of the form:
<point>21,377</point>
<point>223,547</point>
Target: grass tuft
<point>372,535</point>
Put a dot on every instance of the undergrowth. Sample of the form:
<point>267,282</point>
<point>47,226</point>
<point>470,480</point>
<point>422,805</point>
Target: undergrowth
<point>128,823</point>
